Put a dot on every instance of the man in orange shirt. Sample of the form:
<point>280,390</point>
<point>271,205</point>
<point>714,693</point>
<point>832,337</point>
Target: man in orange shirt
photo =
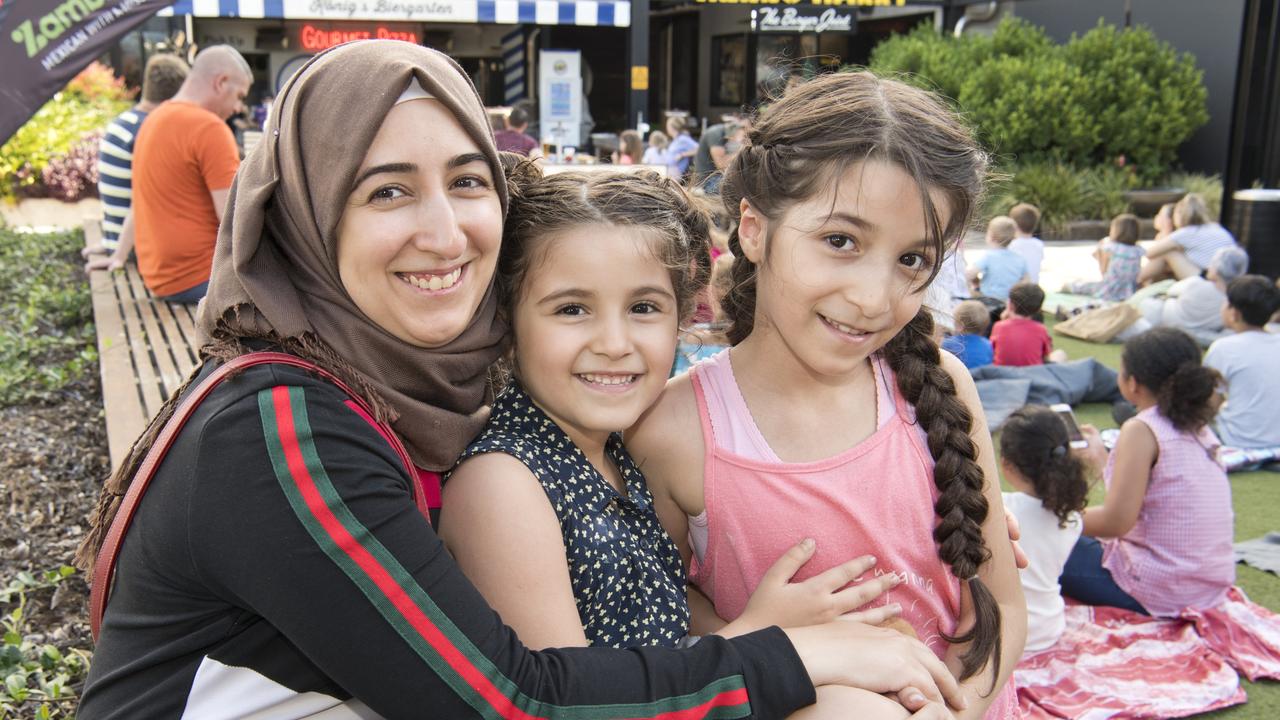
<point>184,161</point>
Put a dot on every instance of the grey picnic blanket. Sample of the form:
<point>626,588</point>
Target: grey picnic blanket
<point>1005,389</point>
<point>1262,553</point>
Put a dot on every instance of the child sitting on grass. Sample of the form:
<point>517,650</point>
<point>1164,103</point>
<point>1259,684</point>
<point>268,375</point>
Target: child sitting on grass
<point>1167,521</point>
<point>1248,361</point>
<point>1000,268</point>
<point>970,342</point>
<point>1020,338</point>
<point>1051,490</point>
<point>1119,259</point>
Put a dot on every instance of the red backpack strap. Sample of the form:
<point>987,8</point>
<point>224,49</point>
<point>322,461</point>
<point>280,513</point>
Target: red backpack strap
<point>104,565</point>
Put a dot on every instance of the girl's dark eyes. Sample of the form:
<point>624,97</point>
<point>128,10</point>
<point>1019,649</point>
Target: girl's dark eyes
<point>914,261</point>
<point>645,308</point>
<point>571,310</point>
<point>840,242</point>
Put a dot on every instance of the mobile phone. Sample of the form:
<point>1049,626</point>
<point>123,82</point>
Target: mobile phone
<point>1074,436</point>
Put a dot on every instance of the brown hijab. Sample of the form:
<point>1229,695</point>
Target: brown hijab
<point>275,269</point>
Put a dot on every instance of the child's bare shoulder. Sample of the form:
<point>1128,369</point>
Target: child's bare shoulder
<point>670,427</point>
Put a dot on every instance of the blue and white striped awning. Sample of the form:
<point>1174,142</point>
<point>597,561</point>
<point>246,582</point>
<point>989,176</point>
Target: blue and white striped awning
<point>611,13</point>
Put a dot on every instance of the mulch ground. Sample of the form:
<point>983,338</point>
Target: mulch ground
<point>53,459</point>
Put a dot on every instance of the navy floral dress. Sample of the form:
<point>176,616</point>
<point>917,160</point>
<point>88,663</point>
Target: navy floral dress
<point>627,576</point>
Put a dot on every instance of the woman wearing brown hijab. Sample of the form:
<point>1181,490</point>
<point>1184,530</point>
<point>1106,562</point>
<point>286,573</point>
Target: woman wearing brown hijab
<point>279,564</point>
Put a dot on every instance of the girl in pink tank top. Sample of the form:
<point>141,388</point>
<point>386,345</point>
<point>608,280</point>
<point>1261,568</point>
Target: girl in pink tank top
<point>833,416</point>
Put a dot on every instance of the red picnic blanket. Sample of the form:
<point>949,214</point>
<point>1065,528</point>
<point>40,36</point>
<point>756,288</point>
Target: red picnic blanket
<point>1115,664</point>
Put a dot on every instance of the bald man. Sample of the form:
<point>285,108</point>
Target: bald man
<point>184,160</point>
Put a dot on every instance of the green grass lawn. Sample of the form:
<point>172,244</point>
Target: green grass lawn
<point>1256,498</point>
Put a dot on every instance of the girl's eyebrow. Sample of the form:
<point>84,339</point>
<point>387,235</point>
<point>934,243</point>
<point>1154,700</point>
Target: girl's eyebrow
<point>576,293</point>
<point>853,220</point>
<point>566,293</point>
<point>652,290</point>
<point>395,168</point>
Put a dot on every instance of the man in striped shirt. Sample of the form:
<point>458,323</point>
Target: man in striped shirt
<point>161,79</point>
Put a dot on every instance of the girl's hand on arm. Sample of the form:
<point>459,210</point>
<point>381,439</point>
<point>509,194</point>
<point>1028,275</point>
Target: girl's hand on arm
<point>999,573</point>
<point>1135,454</point>
<point>820,599</point>
<point>505,536</point>
<point>882,661</point>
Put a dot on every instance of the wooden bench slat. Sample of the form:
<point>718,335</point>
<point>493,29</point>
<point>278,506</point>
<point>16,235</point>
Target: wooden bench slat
<point>121,399</point>
<point>186,316</point>
<point>143,364</point>
<point>176,321</point>
<point>145,349</point>
<point>163,337</point>
<point>161,355</point>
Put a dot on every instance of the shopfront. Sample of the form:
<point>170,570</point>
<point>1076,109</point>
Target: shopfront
<point>492,39</point>
<point>721,56</point>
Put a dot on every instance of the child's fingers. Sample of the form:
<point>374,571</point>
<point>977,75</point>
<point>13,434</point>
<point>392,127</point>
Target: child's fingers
<point>874,616</point>
<point>843,574</point>
<point>855,596</point>
<point>785,567</point>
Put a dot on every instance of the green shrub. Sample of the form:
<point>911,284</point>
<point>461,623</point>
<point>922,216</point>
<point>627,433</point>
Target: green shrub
<point>86,105</point>
<point>1105,96</point>
<point>1106,186</point>
<point>1061,192</point>
<point>1058,190</point>
<point>1146,97</point>
<point>1024,106</point>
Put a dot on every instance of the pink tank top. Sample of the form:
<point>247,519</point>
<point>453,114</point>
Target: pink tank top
<point>1179,553</point>
<point>876,497</point>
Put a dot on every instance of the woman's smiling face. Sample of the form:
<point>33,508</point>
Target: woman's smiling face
<point>419,238</point>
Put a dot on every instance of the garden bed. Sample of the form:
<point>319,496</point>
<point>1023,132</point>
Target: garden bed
<point>53,458</point>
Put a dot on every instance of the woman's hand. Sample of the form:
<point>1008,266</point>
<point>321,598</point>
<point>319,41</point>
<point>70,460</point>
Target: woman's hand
<point>820,599</point>
<point>882,661</point>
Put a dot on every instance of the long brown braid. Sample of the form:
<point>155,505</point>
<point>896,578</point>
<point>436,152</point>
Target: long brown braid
<point>798,148</point>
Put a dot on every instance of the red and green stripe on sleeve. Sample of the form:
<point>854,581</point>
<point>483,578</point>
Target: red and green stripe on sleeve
<point>410,610</point>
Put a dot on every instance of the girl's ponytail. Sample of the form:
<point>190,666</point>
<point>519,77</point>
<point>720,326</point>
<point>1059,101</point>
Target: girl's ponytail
<point>1167,362</point>
<point>961,506</point>
<point>1186,397</point>
<point>739,304</point>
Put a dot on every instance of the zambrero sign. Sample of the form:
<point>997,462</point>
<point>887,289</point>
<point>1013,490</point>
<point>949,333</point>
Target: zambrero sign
<point>44,44</point>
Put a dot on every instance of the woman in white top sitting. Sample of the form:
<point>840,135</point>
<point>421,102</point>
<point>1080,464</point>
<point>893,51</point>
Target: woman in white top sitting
<point>1188,249</point>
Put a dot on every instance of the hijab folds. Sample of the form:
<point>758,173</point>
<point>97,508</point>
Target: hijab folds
<point>275,268</point>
